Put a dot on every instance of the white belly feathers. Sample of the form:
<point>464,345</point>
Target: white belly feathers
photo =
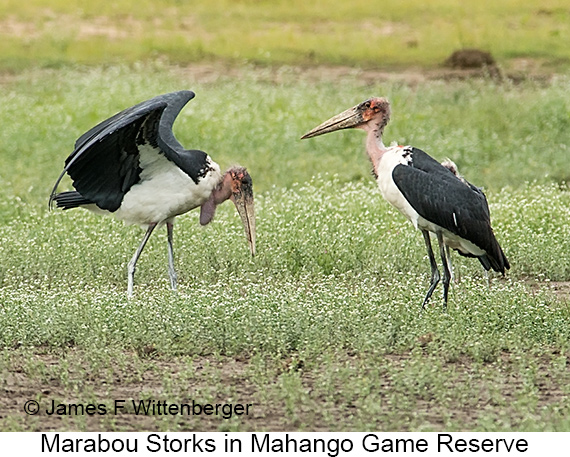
<point>390,159</point>
<point>160,177</point>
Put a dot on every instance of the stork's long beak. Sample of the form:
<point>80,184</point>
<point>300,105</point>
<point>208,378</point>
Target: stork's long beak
<point>244,205</point>
<point>345,120</point>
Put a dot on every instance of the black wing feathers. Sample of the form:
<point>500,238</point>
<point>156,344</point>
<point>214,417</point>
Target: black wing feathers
<point>443,199</point>
<point>72,199</point>
<point>107,169</point>
<point>193,162</point>
<point>106,161</point>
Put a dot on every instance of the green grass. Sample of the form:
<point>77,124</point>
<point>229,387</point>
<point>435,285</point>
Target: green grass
<point>361,33</point>
<point>324,322</point>
<point>327,317</point>
<point>336,268</point>
<point>498,134</point>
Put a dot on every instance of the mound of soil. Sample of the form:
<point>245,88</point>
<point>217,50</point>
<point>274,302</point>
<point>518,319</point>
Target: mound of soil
<point>469,59</point>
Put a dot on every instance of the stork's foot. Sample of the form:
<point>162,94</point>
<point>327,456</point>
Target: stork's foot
<point>434,271</point>
<point>173,280</point>
<point>434,282</point>
<point>132,266</point>
<point>444,251</point>
<point>131,272</point>
<point>171,270</point>
<point>445,291</point>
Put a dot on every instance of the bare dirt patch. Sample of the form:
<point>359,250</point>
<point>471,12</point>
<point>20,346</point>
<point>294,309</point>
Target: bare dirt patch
<point>101,26</point>
<point>560,288</point>
<point>413,76</point>
<point>50,379</point>
<point>72,377</point>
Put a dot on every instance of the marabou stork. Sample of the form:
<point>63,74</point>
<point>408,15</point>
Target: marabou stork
<point>431,195</point>
<point>132,166</point>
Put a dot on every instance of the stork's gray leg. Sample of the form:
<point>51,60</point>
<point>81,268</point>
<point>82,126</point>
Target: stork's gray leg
<point>133,262</point>
<point>449,265</point>
<point>434,270</point>
<point>446,272</point>
<point>171,270</point>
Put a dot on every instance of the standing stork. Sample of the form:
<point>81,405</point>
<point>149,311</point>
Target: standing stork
<point>132,166</point>
<point>428,193</point>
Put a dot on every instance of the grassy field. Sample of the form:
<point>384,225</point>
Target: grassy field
<point>321,330</point>
<point>363,33</point>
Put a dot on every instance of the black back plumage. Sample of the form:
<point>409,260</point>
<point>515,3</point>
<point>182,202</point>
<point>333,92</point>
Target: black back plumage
<point>106,161</point>
<point>441,198</point>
